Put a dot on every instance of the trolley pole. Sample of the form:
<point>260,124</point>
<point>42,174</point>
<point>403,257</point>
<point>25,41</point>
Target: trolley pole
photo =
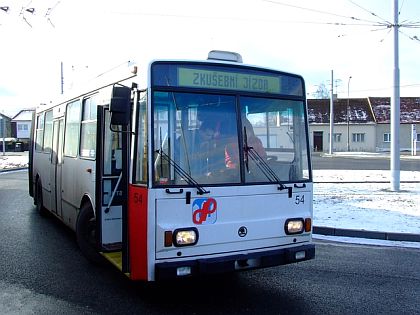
<point>395,111</point>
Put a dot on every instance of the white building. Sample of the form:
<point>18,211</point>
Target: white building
<point>23,123</point>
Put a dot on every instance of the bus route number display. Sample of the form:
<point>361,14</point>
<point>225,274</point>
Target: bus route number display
<point>228,80</point>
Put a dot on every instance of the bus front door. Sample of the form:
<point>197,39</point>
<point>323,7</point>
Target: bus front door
<point>56,162</point>
<point>109,189</point>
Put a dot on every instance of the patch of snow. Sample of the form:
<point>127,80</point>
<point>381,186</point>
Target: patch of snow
<point>13,161</point>
<point>368,206</point>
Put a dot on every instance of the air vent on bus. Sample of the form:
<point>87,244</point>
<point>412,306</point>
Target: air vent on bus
<point>224,55</point>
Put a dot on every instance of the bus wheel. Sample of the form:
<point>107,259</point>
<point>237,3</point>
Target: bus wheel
<point>86,234</point>
<point>38,199</point>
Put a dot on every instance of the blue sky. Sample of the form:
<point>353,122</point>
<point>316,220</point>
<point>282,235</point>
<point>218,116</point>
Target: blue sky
<point>307,37</point>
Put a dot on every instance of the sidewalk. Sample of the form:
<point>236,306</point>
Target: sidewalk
<point>367,155</point>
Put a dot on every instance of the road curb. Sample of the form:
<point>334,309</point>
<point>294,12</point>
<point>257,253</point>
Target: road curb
<point>5,170</point>
<point>368,156</point>
<point>389,236</point>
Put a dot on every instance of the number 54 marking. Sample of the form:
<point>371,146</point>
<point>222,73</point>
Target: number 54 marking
<point>299,199</point>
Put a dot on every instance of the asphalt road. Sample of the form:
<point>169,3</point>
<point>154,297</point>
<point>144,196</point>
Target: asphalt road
<point>43,272</point>
<point>361,163</point>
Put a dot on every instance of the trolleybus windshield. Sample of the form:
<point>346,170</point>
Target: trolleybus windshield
<point>229,135</point>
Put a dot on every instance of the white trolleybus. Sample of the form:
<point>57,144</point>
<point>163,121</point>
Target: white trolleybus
<point>187,168</point>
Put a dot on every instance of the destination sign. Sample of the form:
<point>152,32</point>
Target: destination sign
<point>240,81</point>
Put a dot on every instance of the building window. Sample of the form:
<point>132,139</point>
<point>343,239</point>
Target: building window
<point>358,137</point>
<point>337,137</point>
<point>387,137</point>
<point>22,127</point>
<point>418,137</point>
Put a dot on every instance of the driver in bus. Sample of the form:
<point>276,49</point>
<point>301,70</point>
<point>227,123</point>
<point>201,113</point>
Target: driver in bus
<point>231,149</point>
<point>207,157</point>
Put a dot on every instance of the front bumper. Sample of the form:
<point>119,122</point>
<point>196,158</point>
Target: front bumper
<point>169,270</point>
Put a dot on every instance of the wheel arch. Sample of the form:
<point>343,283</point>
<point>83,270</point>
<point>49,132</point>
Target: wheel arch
<point>87,199</point>
<point>85,226</point>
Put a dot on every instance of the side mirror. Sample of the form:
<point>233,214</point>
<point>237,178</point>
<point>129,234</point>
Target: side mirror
<point>119,106</point>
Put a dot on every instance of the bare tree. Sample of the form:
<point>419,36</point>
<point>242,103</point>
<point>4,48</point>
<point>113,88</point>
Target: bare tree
<point>321,92</point>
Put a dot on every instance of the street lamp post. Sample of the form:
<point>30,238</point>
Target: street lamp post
<point>348,114</point>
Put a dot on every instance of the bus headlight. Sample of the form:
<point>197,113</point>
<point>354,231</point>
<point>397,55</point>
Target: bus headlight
<point>293,226</point>
<point>185,237</point>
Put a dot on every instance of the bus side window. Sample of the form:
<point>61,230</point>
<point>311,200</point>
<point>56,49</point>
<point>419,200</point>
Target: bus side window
<point>88,128</point>
<point>112,148</point>
<point>141,159</point>
<point>48,131</point>
<point>116,158</point>
<point>39,132</point>
<point>72,131</point>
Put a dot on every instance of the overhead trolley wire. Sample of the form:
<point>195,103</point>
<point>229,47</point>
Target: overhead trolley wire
<point>368,11</point>
<point>322,12</point>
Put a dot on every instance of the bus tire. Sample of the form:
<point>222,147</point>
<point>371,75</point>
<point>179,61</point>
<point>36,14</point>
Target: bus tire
<point>86,234</point>
<point>39,203</point>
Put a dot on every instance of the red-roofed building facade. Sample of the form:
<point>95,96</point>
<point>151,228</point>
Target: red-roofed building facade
<point>362,124</point>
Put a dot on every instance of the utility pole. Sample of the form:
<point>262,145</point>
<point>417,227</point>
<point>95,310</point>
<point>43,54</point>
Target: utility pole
<point>348,115</point>
<point>62,79</point>
<point>4,134</point>
<point>395,110</point>
<point>332,114</point>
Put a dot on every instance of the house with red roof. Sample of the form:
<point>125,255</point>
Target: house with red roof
<point>362,124</point>
<point>409,117</point>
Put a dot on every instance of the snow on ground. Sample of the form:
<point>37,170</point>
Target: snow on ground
<point>13,161</point>
<point>365,205</point>
<point>368,206</point>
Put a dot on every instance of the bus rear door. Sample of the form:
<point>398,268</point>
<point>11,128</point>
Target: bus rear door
<point>56,164</point>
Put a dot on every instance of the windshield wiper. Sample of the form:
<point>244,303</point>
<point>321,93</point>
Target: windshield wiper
<point>246,150</point>
<point>262,165</point>
<point>182,172</point>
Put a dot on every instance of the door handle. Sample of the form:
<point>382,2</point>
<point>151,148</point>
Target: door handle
<point>168,191</point>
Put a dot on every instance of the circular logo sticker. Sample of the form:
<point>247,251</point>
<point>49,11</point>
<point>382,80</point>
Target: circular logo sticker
<point>242,231</point>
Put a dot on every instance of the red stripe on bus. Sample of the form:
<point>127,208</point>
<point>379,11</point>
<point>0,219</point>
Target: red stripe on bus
<point>137,232</point>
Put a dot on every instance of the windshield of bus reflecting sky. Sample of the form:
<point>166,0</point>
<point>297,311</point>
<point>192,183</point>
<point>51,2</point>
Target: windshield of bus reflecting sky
<point>227,139</point>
